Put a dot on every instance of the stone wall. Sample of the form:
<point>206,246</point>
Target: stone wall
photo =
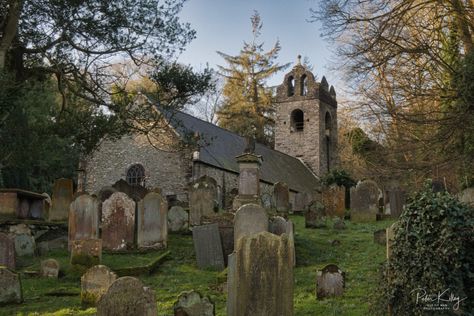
<point>169,170</point>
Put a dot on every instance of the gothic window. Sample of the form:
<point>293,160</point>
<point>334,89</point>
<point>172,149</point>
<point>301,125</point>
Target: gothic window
<point>297,120</point>
<point>304,85</point>
<point>291,86</point>
<point>136,175</point>
<point>327,132</point>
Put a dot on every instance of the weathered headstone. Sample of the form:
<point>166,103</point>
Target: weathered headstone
<point>193,304</point>
<point>86,252</point>
<point>302,200</point>
<point>105,193</point>
<point>266,200</point>
<point>84,218</point>
<point>390,236</point>
<point>118,222</point>
<point>364,201</point>
<point>152,222</point>
<point>260,276</point>
<point>24,245</point>
<point>127,296</point>
<point>62,198</point>
<point>202,197</point>
<point>49,268</point>
<point>10,287</point>
<point>315,215</point>
<point>394,202</point>
<point>281,197</point>
<point>329,282</point>
<point>225,221</point>
<point>249,180</point>
<point>279,226</point>
<point>178,219</point>
<point>467,196</point>
<point>334,200</point>
<point>7,252</point>
<point>249,219</point>
<point>380,237</point>
<point>208,246</point>
<point>95,283</point>
<point>8,204</point>
<point>135,192</point>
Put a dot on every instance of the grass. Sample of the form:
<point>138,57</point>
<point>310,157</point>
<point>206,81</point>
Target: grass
<point>357,255</point>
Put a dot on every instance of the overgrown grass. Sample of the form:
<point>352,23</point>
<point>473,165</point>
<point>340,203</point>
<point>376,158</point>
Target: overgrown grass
<point>357,255</point>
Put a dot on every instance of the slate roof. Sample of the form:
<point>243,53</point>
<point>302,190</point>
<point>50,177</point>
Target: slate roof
<point>220,147</point>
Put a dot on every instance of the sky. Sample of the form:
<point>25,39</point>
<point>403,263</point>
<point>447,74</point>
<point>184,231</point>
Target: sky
<point>223,25</point>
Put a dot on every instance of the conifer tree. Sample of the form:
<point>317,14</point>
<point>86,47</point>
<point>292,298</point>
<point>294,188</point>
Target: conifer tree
<point>247,101</point>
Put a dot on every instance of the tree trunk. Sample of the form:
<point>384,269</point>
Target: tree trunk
<point>10,29</point>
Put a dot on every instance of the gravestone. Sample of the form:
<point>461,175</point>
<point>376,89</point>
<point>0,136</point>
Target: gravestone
<point>127,296</point>
<point>86,252</point>
<point>315,215</point>
<point>380,237</point>
<point>24,245</point>
<point>208,246</point>
<point>333,198</point>
<point>281,197</point>
<point>202,197</point>
<point>7,252</point>
<point>225,221</point>
<point>302,200</point>
<point>279,226</point>
<point>260,276</point>
<point>329,282</point>
<point>193,304</point>
<point>118,222</point>
<point>467,196</point>
<point>249,179</point>
<point>152,222</point>
<point>178,219</point>
<point>105,193</point>
<point>394,202</point>
<point>8,204</point>
<point>135,192</point>
<point>364,201</point>
<point>83,218</point>
<point>249,219</point>
<point>49,268</point>
<point>390,236</point>
<point>339,224</point>
<point>266,200</point>
<point>10,289</point>
<point>95,283</point>
<point>62,198</point>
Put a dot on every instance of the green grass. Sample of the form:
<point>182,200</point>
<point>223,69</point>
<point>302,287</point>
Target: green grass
<point>357,255</point>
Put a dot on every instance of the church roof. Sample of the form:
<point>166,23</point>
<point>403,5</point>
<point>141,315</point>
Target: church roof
<point>219,147</point>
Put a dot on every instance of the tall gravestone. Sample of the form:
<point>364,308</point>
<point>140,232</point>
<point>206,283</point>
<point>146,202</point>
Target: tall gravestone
<point>334,200</point>
<point>365,201</point>
<point>118,222</point>
<point>208,246</point>
<point>329,282</point>
<point>249,180</point>
<point>127,296</point>
<point>7,251</point>
<point>61,199</point>
<point>10,287</point>
<point>152,223</point>
<point>260,276</point>
<point>281,197</point>
<point>249,219</point>
<point>83,218</point>
<point>95,283</point>
<point>202,197</point>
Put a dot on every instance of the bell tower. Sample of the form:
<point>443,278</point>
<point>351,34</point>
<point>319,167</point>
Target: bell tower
<point>306,119</point>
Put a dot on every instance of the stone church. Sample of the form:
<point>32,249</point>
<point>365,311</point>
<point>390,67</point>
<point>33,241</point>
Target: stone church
<point>305,148</point>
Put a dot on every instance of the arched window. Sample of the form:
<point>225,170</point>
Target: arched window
<point>136,175</point>
<point>327,132</point>
<point>304,85</point>
<point>297,120</point>
<point>291,86</point>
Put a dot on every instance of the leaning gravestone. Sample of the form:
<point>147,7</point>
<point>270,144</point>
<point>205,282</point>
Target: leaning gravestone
<point>7,252</point>
<point>208,246</point>
<point>315,215</point>
<point>249,219</point>
<point>364,201</point>
<point>225,221</point>
<point>49,268</point>
<point>118,222</point>
<point>193,304</point>
<point>10,289</point>
<point>127,296</point>
<point>329,282</point>
<point>260,276</point>
<point>334,200</point>
<point>152,223</point>
<point>202,197</point>
<point>86,252</point>
<point>95,283</point>
<point>83,218</point>
<point>178,219</point>
<point>281,197</point>
<point>62,198</point>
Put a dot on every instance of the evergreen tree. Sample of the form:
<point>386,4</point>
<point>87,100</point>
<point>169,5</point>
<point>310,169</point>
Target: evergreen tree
<point>247,101</point>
